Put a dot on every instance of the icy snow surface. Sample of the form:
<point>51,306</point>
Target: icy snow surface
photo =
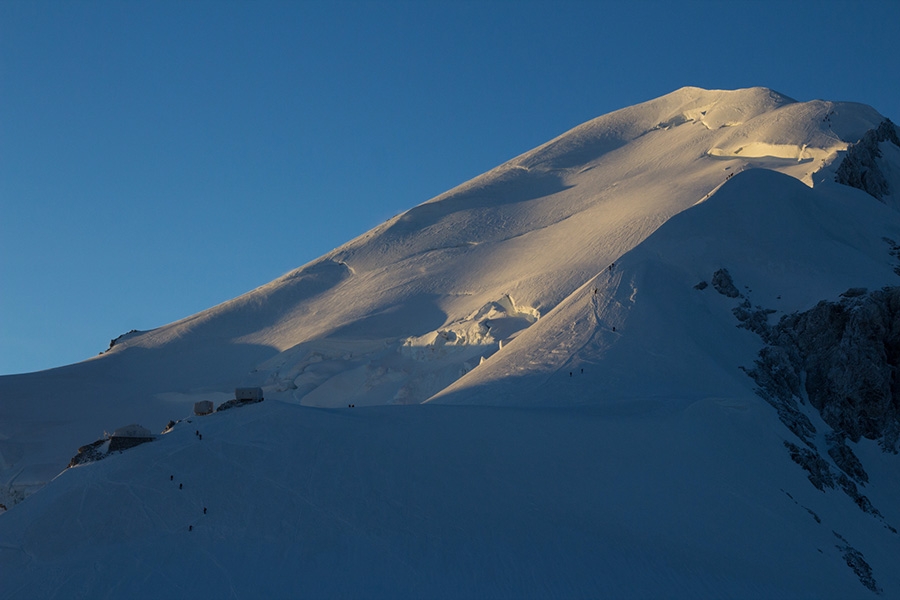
<point>602,441</point>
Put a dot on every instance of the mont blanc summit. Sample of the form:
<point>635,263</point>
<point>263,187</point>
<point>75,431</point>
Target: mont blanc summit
<point>606,367</point>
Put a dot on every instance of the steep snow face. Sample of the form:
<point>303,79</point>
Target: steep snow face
<point>405,310</point>
<point>641,328</point>
<point>572,186</point>
<point>534,230</point>
<point>798,139</point>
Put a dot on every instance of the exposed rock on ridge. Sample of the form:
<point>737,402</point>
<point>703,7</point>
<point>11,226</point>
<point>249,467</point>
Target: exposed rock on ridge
<point>860,168</point>
<point>848,352</point>
<point>842,359</point>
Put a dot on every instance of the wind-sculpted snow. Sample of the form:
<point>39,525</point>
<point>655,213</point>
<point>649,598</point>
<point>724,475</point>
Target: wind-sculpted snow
<point>810,135</point>
<point>372,372</point>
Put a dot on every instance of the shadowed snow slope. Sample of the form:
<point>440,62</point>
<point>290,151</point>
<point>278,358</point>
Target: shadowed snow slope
<point>572,288</point>
<point>639,500</point>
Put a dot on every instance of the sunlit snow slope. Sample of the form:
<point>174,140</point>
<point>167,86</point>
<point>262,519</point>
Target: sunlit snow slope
<point>400,313</point>
<point>642,329</point>
<point>576,285</point>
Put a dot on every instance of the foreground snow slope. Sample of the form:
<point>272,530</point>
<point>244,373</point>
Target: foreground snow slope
<point>643,499</point>
<point>400,313</point>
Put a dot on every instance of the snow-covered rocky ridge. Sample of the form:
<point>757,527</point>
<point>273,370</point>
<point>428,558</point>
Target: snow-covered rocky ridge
<point>577,288</point>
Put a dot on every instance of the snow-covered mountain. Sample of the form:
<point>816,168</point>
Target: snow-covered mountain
<point>623,345</point>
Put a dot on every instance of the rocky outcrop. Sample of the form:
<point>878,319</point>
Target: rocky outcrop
<point>817,469</point>
<point>857,563</point>
<point>850,351</point>
<point>780,385</point>
<point>894,252</point>
<point>860,167</point>
<point>115,341</point>
<point>845,458</point>
<point>235,403</point>
<point>722,282</point>
<point>89,453</point>
<point>843,357</point>
<point>847,354</point>
<point>122,439</point>
<point>840,358</point>
<point>755,319</point>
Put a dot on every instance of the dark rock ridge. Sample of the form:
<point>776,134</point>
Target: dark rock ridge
<point>843,357</point>
<point>89,453</point>
<point>840,358</point>
<point>105,448</point>
<point>894,251</point>
<point>849,352</point>
<point>860,168</point>
<point>235,403</point>
<point>122,439</point>
<point>722,282</point>
<point>857,563</point>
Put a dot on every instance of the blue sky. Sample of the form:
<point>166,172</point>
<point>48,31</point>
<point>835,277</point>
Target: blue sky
<point>157,158</point>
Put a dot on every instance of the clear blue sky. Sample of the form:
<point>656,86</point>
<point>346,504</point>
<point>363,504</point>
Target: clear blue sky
<point>157,158</point>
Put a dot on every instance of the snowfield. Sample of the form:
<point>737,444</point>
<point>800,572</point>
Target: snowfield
<point>629,500</point>
<point>548,367</point>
